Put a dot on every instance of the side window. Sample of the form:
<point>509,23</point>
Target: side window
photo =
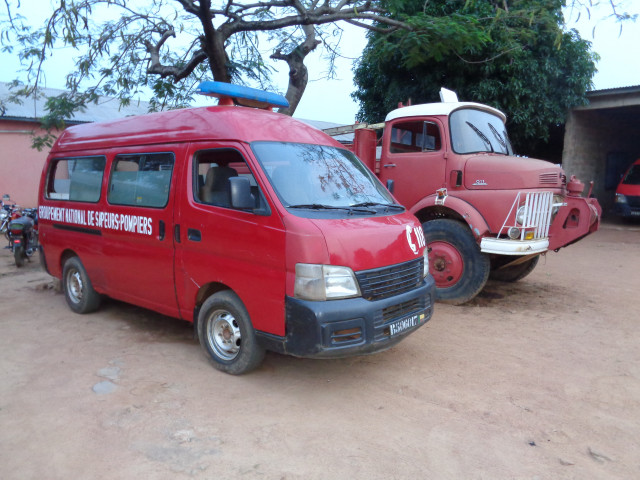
<point>416,136</point>
<point>141,180</point>
<point>212,171</point>
<point>77,179</point>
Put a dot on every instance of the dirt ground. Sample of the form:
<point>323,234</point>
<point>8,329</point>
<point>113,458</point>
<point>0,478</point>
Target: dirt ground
<point>534,380</point>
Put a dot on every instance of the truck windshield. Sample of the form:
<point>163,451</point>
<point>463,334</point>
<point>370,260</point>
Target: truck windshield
<point>476,131</point>
<point>319,177</point>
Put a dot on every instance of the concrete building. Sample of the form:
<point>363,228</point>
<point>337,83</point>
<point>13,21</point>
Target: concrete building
<point>602,139</point>
<point>21,165</point>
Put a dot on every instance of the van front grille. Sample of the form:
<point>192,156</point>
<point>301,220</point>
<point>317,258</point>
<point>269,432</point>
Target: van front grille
<point>389,281</point>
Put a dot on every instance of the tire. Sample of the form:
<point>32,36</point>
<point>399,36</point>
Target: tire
<point>459,268</point>
<point>226,334</point>
<point>78,291</point>
<point>514,272</point>
<point>19,256</point>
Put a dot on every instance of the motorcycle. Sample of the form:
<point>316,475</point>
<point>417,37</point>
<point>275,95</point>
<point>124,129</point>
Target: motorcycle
<point>23,235</point>
<point>8,211</point>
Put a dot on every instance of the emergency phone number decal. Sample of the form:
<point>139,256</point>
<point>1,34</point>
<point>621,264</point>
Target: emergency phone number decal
<point>93,218</point>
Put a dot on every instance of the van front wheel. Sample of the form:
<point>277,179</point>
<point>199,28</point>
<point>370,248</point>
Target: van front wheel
<point>226,334</point>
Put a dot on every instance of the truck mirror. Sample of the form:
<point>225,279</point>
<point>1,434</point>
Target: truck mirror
<point>241,197</point>
<point>390,185</point>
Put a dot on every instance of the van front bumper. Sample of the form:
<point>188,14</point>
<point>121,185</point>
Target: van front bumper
<point>354,326</point>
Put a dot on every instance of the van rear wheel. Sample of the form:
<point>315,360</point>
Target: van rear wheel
<point>226,334</point>
<point>78,291</point>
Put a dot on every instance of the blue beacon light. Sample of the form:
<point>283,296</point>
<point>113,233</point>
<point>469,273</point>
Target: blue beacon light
<point>230,94</point>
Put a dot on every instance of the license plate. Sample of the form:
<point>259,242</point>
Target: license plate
<point>405,324</point>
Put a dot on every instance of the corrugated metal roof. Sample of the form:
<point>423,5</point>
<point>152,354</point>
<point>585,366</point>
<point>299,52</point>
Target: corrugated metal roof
<point>614,91</point>
<point>32,109</point>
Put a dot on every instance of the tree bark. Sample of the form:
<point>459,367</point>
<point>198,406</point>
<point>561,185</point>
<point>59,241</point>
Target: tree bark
<point>298,73</point>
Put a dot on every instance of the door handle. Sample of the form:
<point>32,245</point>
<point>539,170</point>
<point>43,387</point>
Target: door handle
<point>176,233</point>
<point>161,230</point>
<point>389,165</point>
<point>194,235</point>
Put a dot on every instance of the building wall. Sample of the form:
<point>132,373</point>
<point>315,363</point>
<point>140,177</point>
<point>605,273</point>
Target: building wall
<point>601,140</point>
<point>20,165</point>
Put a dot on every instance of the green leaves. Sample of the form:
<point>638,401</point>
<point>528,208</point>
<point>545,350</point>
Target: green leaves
<point>520,61</point>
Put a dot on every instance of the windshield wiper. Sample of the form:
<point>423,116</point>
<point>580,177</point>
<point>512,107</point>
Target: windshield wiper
<point>320,206</point>
<point>377,204</point>
<point>482,136</point>
<point>499,138</point>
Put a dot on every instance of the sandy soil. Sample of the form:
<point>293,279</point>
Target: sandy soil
<point>534,380</point>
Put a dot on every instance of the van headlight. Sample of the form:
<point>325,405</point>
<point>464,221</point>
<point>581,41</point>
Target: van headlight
<point>521,214</point>
<point>620,198</point>
<point>425,268</point>
<point>324,282</point>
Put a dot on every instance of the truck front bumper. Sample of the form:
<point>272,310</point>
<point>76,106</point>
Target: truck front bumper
<point>579,218</point>
<point>354,326</point>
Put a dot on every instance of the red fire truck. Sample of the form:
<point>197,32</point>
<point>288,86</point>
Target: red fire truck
<point>261,230</point>
<point>486,213</point>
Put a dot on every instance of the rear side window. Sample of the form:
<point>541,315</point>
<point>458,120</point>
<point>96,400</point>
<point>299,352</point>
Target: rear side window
<point>141,180</point>
<point>77,179</point>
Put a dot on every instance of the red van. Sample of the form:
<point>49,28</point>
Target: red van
<point>261,230</point>
<point>627,201</point>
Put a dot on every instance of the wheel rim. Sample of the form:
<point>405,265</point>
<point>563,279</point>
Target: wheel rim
<point>74,286</point>
<point>445,264</point>
<point>223,334</point>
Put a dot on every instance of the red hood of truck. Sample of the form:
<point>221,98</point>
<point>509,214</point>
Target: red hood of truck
<point>503,172</point>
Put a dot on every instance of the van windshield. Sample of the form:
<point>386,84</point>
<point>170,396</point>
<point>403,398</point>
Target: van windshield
<point>477,131</point>
<point>320,177</point>
<point>633,176</point>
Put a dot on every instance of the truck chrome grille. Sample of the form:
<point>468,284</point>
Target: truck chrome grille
<point>538,209</point>
<point>538,214</point>
<point>388,281</point>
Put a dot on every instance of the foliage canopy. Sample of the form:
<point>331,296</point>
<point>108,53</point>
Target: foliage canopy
<point>532,69</point>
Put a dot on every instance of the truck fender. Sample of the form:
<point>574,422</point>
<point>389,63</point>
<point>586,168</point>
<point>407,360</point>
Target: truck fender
<point>443,206</point>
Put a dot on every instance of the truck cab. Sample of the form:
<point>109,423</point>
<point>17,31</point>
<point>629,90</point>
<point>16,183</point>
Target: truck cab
<point>485,211</point>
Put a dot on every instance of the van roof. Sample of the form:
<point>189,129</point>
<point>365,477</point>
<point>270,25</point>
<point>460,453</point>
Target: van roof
<point>443,108</point>
<point>191,124</point>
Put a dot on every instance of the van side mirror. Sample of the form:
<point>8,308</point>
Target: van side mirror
<point>241,197</point>
<point>390,185</point>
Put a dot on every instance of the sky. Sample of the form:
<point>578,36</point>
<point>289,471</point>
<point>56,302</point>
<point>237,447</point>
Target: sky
<point>329,99</point>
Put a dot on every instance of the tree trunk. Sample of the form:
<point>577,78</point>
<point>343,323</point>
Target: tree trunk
<point>298,73</point>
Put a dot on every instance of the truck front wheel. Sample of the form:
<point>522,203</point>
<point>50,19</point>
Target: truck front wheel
<point>458,267</point>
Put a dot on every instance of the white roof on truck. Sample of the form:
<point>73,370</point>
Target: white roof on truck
<point>443,108</point>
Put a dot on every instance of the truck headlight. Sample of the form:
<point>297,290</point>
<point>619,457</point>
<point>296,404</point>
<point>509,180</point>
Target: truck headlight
<point>521,214</point>
<point>620,198</point>
<point>324,282</point>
